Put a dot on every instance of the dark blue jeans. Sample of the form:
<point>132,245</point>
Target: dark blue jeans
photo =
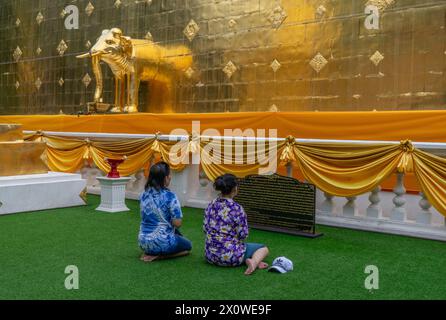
<point>251,248</point>
<point>183,244</point>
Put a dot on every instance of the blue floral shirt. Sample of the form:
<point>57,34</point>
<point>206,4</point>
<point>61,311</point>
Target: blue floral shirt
<point>158,209</point>
<point>226,226</point>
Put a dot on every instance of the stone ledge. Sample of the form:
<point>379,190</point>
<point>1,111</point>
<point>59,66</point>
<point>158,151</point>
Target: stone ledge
<point>40,192</point>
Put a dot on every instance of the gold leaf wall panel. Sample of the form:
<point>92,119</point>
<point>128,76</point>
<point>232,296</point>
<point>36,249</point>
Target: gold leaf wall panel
<point>248,55</point>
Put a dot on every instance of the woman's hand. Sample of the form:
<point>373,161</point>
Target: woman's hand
<point>177,222</point>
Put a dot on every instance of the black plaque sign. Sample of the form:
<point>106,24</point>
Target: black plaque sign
<point>278,203</point>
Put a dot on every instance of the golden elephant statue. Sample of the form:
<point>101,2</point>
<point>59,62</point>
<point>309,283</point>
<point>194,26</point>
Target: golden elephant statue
<point>133,61</point>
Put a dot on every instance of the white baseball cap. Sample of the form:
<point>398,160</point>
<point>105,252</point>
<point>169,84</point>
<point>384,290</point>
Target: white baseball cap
<point>282,265</point>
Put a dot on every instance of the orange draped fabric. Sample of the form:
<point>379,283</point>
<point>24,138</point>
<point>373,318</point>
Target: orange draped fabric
<point>341,169</point>
<point>427,126</point>
<point>346,167</point>
<point>350,169</point>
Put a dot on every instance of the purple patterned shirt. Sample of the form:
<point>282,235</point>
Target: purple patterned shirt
<point>226,226</point>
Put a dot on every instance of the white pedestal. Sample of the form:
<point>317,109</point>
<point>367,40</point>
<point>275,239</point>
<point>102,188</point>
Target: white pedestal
<point>113,194</point>
<point>35,192</point>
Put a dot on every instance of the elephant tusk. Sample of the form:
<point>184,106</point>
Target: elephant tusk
<point>88,54</point>
<point>82,56</point>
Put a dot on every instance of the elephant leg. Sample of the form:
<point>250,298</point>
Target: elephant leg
<point>116,91</point>
<point>118,94</point>
<point>132,105</point>
<point>122,101</point>
<point>129,92</point>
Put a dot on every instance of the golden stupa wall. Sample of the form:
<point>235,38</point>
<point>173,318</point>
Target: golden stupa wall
<point>248,55</point>
<point>20,157</point>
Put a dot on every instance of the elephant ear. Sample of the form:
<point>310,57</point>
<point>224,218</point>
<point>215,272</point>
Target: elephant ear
<point>126,43</point>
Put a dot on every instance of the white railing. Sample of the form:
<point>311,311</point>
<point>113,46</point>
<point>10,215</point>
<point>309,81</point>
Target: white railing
<point>394,212</point>
<point>388,212</point>
<point>438,148</point>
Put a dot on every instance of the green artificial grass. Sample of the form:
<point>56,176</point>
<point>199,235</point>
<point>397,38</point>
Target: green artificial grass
<point>35,249</point>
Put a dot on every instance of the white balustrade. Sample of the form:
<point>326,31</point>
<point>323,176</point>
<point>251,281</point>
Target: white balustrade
<point>90,173</point>
<point>136,185</point>
<point>375,210</point>
<point>350,207</point>
<point>199,192</point>
<point>380,211</point>
<point>399,211</point>
<point>424,216</point>
<point>327,206</point>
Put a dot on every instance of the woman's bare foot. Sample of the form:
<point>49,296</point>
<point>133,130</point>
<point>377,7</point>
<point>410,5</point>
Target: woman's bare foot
<point>263,265</point>
<point>147,258</point>
<point>251,267</point>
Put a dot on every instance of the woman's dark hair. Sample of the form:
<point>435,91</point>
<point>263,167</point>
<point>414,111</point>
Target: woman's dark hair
<point>157,176</point>
<point>226,183</point>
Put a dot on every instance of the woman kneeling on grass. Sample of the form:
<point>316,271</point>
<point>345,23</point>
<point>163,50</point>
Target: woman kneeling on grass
<point>226,226</point>
<point>160,217</point>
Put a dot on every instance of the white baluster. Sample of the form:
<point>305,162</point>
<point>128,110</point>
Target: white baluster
<point>136,186</point>
<point>375,210</point>
<point>350,208</point>
<point>399,212</point>
<point>141,180</point>
<point>129,186</point>
<point>327,206</point>
<point>84,171</point>
<point>90,173</point>
<point>203,179</point>
<point>424,216</point>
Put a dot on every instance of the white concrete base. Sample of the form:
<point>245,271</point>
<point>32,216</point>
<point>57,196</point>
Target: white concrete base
<point>374,212</point>
<point>113,194</point>
<point>424,217</point>
<point>407,228</point>
<point>398,214</point>
<point>40,192</point>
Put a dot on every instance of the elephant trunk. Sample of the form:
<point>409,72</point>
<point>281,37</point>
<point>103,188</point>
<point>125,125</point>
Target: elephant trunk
<point>99,79</point>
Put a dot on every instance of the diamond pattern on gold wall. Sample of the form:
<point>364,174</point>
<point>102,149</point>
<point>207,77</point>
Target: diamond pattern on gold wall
<point>248,55</point>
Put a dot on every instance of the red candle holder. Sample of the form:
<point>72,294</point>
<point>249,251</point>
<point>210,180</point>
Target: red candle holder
<point>114,163</point>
